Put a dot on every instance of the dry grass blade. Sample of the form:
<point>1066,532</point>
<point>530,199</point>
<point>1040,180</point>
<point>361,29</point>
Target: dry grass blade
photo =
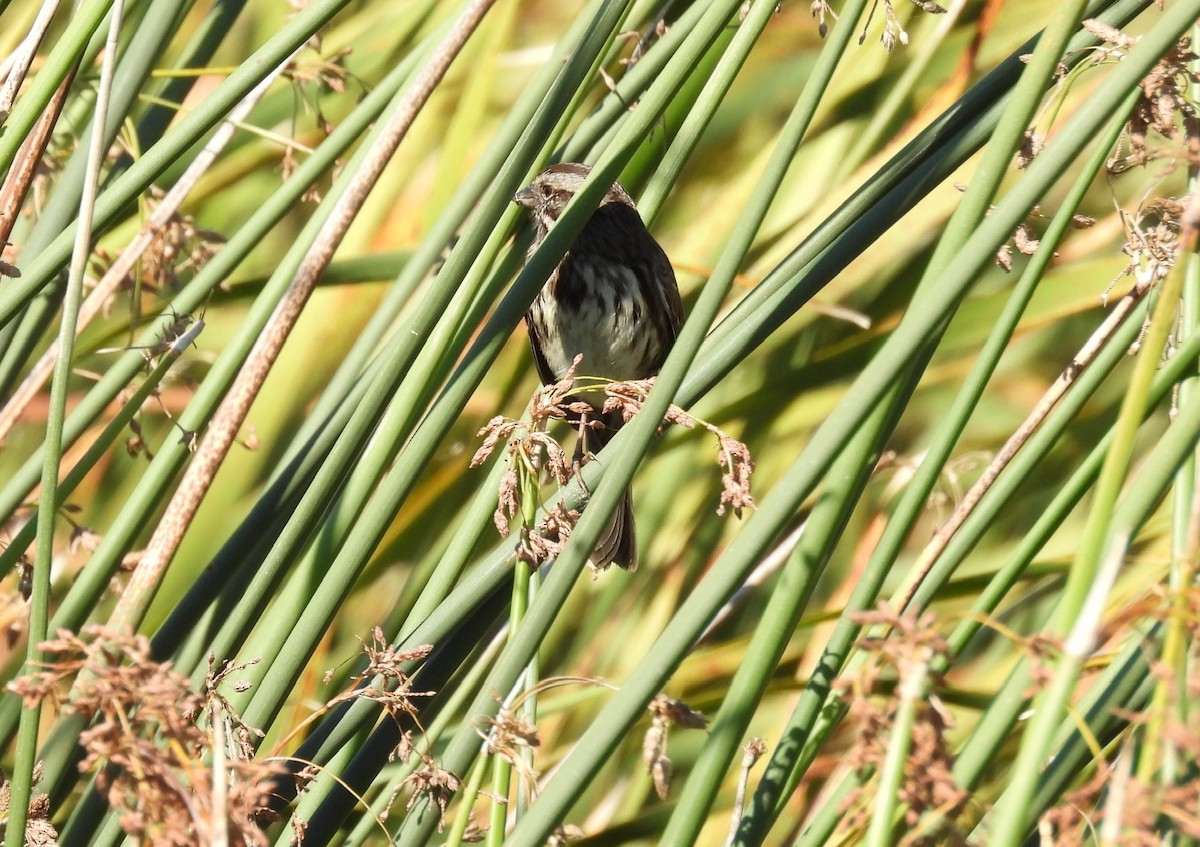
<point>753,751</point>
<point>227,421</point>
<point>145,745</point>
<point>1045,405</point>
<point>20,177</point>
<point>162,216</point>
<point>22,58</point>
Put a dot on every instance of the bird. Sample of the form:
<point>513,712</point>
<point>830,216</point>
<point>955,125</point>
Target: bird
<point>612,299</point>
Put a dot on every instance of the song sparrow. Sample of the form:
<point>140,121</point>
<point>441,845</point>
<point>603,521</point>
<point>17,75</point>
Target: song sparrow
<point>612,299</point>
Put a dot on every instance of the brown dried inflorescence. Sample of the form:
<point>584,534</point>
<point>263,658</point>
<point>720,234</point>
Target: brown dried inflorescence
<point>387,679</point>
<point>513,738</point>
<point>665,713</point>
<point>145,745</point>
<point>1163,107</point>
<point>312,78</point>
<point>531,448</point>
<point>910,648</point>
<point>819,10</point>
<point>1120,798</point>
<point>39,832</point>
<point>893,32</point>
<point>1024,240</point>
<point>1152,235</point>
<point>547,541</point>
<point>1031,145</point>
<point>178,251</point>
<point>435,783</point>
<point>734,457</point>
<point>1145,812</point>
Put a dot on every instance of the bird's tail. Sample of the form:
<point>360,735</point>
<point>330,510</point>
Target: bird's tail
<point>618,545</point>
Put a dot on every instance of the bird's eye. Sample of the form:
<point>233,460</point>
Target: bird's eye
<point>546,190</point>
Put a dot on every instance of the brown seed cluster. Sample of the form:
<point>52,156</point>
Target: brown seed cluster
<point>178,251</point>
<point>1143,812</point>
<point>1132,792</point>
<point>893,32</point>
<point>734,457</point>
<point>531,448</point>
<point>910,649</point>
<point>387,678</point>
<point>39,832</point>
<point>150,753</point>
<point>665,713</point>
<point>1164,106</point>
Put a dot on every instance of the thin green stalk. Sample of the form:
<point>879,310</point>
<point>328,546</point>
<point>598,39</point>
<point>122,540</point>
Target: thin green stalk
<point>151,34</point>
<point>1170,694</point>
<point>1158,756</point>
<point>782,769</point>
<point>998,154</point>
<point>16,293</point>
<point>39,614</point>
<point>470,792</point>
<point>585,142</point>
<point>1094,568</point>
<point>381,509</point>
<point>1126,689</point>
<point>917,494</point>
<point>448,228</point>
<point>206,37</point>
<point>789,598</point>
<point>995,727</point>
<point>813,718</point>
<point>498,808</point>
<point>1053,516</point>
<point>174,451</point>
<point>464,537</point>
<point>979,251</point>
<point>501,766</point>
<point>616,477</point>
<point>603,734</point>
<point>927,160</point>
<point>338,578</point>
<point>84,22</point>
<point>825,820</point>
<point>248,236</point>
<point>883,118</point>
<point>912,503</point>
<point>113,430</point>
<point>700,114</point>
<point>529,715</point>
<point>1127,683</point>
<point>911,692</point>
<point>447,717</point>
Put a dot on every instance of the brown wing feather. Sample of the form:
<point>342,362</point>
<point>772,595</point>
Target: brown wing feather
<point>667,312</point>
<point>545,374</point>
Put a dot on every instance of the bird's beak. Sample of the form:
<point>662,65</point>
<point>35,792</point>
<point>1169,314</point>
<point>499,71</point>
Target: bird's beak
<point>524,197</point>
